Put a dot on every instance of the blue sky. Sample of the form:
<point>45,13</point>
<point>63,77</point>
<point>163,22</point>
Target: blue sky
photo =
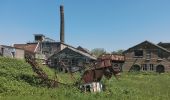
<point>109,24</point>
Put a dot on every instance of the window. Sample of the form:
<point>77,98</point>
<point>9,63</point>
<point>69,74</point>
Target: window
<point>138,53</point>
<point>148,54</point>
<point>65,61</point>
<point>151,67</point>
<point>2,51</point>
<point>13,54</point>
<point>74,62</point>
<point>144,67</point>
<point>147,67</point>
<point>160,54</point>
<point>135,68</point>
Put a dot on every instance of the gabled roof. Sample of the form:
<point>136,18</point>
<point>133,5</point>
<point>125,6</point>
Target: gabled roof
<point>77,51</point>
<point>83,49</point>
<point>149,43</point>
<point>83,53</point>
<point>164,45</point>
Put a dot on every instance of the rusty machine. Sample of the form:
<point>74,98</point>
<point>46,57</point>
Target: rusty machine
<point>106,65</point>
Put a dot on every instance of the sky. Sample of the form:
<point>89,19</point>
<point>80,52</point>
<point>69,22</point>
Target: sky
<point>108,24</point>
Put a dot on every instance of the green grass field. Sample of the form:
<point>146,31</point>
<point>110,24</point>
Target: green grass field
<point>18,82</point>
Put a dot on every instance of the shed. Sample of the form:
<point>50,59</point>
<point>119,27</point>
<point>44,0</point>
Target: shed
<point>12,52</point>
<point>70,59</point>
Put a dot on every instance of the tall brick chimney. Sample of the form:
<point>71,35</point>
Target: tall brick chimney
<point>62,23</point>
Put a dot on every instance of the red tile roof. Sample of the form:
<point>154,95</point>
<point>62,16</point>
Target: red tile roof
<point>26,47</point>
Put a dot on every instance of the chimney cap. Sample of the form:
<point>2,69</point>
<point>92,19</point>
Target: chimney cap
<point>39,35</point>
<point>61,6</point>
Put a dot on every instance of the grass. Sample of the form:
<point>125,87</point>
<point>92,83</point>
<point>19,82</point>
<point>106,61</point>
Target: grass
<point>17,81</point>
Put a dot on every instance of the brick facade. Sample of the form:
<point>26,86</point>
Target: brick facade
<point>152,58</point>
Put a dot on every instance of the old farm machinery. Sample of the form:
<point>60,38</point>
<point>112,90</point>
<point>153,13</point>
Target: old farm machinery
<point>106,65</point>
<point>52,83</point>
<point>41,74</point>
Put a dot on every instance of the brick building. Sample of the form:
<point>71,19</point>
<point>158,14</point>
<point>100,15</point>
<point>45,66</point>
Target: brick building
<point>147,56</point>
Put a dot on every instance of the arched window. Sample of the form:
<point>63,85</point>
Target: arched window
<point>160,69</point>
<point>135,68</point>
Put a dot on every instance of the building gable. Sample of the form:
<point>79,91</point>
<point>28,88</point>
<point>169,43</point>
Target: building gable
<point>147,56</point>
<point>146,45</point>
<point>72,52</point>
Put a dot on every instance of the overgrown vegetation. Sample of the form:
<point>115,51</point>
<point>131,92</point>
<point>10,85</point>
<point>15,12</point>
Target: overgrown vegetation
<point>17,81</point>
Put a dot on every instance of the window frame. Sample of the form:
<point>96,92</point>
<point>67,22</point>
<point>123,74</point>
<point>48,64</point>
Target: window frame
<point>144,67</point>
<point>148,54</point>
<point>160,54</point>
<point>138,56</point>
<point>151,67</point>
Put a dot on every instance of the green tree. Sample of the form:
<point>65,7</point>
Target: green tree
<point>98,51</point>
<point>118,51</point>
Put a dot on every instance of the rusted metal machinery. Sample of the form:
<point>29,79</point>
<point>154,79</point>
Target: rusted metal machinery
<point>52,83</point>
<point>106,65</point>
<point>41,74</point>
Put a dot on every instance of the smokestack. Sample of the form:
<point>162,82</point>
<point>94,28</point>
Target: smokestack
<point>62,23</point>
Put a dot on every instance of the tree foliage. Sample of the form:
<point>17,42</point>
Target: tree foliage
<point>98,51</point>
<point>118,51</point>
